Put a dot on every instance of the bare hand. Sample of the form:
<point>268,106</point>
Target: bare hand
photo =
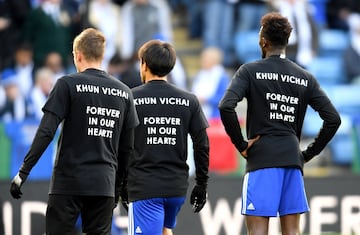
<point>250,143</point>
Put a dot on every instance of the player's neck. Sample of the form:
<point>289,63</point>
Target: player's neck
<point>155,78</point>
<point>89,65</point>
<point>279,52</point>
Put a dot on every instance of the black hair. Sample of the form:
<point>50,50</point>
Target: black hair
<point>275,28</point>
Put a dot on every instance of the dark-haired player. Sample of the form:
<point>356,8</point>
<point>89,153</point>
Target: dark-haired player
<point>278,92</point>
<point>98,117</point>
<point>158,173</point>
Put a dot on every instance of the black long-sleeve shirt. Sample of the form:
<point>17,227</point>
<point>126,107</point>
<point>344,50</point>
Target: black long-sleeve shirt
<point>278,93</point>
<point>167,115</point>
<point>98,117</point>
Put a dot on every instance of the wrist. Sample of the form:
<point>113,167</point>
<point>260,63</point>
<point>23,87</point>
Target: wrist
<point>17,180</point>
<point>201,182</point>
<point>242,146</point>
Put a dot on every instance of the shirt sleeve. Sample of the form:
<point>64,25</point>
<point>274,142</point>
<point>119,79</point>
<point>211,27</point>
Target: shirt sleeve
<point>331,122</point>
<point>125,152</point>
<point>44,135</point>
<point>59,99</point>
<point>132,119</point>
<point>233,95</point>
<point>201,155</point>
<point>198,119</point>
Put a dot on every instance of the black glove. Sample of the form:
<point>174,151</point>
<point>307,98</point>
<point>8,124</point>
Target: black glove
<point>198,198</point>
<point>124,198</point>
<point>16,184</point>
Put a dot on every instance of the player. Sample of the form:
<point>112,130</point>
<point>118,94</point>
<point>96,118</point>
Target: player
<point>98,116</point>
<point>278,92</point>
<point>158,173</point>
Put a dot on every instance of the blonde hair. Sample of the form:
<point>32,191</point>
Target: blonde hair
<point>91,43</point>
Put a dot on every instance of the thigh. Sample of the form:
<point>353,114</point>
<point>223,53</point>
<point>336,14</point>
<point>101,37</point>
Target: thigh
<point>172,207</point>
<point>262,192</point>
<point>257,225</point>
<point>61,214</point>
<point>290,224</point>
<point>97,214</point>
<point>146,217</point>
<point>293,200</point>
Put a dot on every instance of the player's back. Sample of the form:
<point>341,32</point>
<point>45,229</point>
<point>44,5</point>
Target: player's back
<point>167,115</point>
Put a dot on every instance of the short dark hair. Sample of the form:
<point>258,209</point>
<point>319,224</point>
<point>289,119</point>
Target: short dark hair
<point>275,28</point>
<point>159,56</point>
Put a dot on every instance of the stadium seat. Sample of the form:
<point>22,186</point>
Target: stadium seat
<point>318,11</point>
<point>247,46</point>
<point>333,42</point>
<point>342,146</point>
<point>312,123</point>
<point>21,135</point>
<point>346,98</point>
<point>328,70</point>
<point>347,101</point>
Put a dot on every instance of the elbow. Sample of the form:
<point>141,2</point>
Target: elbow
<point>338,122</point>
<point>335,122</point>
<point>223,107</point>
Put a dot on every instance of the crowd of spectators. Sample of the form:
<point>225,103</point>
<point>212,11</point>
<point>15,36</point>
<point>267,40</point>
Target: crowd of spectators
<point>37,36</point>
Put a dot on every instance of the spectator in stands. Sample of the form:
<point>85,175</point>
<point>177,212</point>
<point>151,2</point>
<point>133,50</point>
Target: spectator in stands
<point>144,20</point>
<point>303,41</point>
<point>24,67</point>
<point>13,107</point>
<point>105,16</point>
<point>124,70</point>
<point>211,81</point>
<point>178,75</point>
<point>75,9</point>
<point>12,17</point>
<point>54,62</point>
<point>48,28</point>
<point>218,27</point>
<point>338,11</point>
<point>194,18</point>
<point>249,13</point>
<point>44,82</point>
<point>351,56</point>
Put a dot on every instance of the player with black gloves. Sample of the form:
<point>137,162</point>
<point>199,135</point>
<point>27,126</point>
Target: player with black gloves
<point>158,172</point>
<point>98,117</point>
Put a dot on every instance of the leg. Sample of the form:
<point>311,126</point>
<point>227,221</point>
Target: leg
<point>172,207</point>
<point>61,214</point>
<point>146,217</point>
<point>257,225</point>
<point>293,197</point>
<point>167,231</point>
<point>97,214</point>
<point>290,224</point>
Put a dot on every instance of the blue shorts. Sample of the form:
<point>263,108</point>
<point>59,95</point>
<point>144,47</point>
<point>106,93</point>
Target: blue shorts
<point>149,217</point>
<point>274,191</point>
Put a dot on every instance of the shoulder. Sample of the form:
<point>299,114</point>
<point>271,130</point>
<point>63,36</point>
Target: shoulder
<point>138,89</point>
<point>180,92</point>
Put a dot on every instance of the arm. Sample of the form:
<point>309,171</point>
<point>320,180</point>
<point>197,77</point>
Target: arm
<point>42,139</point>
<point>201,156</point>
<point>230,120</point>
<point>126,149</point>
<point>330,125</point>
